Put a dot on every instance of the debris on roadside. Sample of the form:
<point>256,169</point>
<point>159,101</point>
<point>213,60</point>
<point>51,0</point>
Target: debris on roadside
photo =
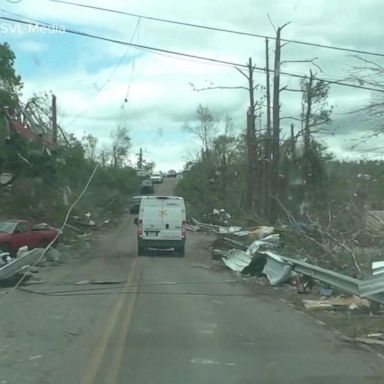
<point>276,270</point>
<point>101,282</point>
<point>239,260</point>
<point>53,255</point>
<point>366,340</point>
<point>19,264</point>
<point>377,268</point>
<point>352,303</point>
<point>192,228</point>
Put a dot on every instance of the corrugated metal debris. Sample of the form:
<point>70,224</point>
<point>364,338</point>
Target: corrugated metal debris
<point>20,263</point>
<point>238,260</point>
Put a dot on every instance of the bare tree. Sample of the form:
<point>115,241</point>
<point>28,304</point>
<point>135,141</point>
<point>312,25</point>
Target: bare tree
<point>205,129</point>
<point>121,142</point>
<point>370,73</point>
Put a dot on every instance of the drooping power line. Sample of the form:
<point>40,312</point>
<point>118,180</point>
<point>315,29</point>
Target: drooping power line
<point>189,55</point>
<point>326,46</point>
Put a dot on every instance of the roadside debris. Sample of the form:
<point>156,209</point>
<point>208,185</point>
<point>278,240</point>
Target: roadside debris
<point>239,260</point>
<point>256,258</point>
<point>377,268</point>
<point>276,270</point>
<point>366,340</point>
<point>352,303</point>
<point>21,263</point>
<point>192,228</point>
<point>101,282</point>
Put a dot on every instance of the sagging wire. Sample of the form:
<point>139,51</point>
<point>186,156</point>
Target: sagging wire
<point>121,284</point>
<point>140,292</point>
<point>60,231</point>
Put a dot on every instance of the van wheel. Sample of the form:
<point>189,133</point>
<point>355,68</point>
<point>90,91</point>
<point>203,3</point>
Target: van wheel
<point>181,251</point>
<point>140,251</point>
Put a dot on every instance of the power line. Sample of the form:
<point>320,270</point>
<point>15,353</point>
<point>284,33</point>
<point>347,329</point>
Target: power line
<point>118,64</point>
<point>326,46</point>
<point>189,55</point>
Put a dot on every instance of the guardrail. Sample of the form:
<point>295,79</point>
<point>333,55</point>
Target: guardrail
<point>372,289</point>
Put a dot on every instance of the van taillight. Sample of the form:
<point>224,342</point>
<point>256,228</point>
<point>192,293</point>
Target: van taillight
<point>184,229</point>
<point>140,227</point>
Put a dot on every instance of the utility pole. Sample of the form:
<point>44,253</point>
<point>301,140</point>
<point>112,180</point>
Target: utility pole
<point>54,120</point>
<point>275,179</point>
<point>251,141</point>
<point>267,147</point>
<point>268,133</point>
<point>140,159</point>
<point>307,128</point>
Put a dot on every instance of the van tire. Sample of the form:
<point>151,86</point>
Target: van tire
<point>181,251</point>
<point>140,250</point>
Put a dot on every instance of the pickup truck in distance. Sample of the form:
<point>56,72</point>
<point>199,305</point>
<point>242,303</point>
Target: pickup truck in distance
<point>18,233</point>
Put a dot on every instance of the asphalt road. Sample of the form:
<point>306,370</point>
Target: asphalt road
<point>170,320</point>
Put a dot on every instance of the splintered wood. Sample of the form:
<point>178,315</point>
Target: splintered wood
<point>353,302</point>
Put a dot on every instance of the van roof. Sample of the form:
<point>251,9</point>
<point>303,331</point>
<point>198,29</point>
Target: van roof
<point>162,197</point>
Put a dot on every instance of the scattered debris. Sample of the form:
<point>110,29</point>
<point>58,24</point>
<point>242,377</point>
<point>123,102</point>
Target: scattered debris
<point>367,341</point>
<point>192,228</point>
<point>238,260</point>
<point>35,357</point>
<point>53,255</point>
<point>354,302</point>
<point>105,282</point>
<point>276,271</point>
<point>379,334</point>
<point>21,263</point>
<point>377,267</point>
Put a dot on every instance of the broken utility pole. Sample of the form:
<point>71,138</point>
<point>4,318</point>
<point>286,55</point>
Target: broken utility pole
<point>275,181</point>
<point>266,200</point>
<point>251,142</point>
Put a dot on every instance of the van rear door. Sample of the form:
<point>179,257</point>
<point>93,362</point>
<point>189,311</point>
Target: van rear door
<point>163,219</point>
<point>172,217</point>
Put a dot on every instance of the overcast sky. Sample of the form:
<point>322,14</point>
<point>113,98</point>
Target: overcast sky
<point>100,84</point>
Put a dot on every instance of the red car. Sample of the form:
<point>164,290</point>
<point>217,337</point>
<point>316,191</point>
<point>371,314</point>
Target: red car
<point>18,233</point>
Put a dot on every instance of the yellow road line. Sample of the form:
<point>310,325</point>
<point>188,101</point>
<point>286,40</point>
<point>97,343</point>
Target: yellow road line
<point>114,367</point>
<point>91,372</point>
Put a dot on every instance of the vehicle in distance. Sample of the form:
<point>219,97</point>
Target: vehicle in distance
<point>146,187</point>
<point>171,173</point>
<point>157,178</point>
<point>19,233</point>
<point>135,204</point>
<point>161,224</point>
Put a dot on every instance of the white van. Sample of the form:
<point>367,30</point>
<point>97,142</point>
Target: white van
<point>161,224</point>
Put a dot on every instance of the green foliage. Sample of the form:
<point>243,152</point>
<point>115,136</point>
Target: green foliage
<point>10,82</point>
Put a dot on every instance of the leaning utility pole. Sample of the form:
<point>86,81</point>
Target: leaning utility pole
<point>54,120</point>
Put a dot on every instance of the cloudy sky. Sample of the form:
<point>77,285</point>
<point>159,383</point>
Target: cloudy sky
<point>100,85</point>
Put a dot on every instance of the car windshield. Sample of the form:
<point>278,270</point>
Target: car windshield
<point>7,226</point>
<point>211,173</point>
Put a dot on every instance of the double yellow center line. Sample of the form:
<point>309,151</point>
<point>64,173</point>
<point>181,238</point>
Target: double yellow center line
<point>118,322</point>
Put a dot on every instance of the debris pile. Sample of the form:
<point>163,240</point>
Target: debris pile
<point>260,251</point>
